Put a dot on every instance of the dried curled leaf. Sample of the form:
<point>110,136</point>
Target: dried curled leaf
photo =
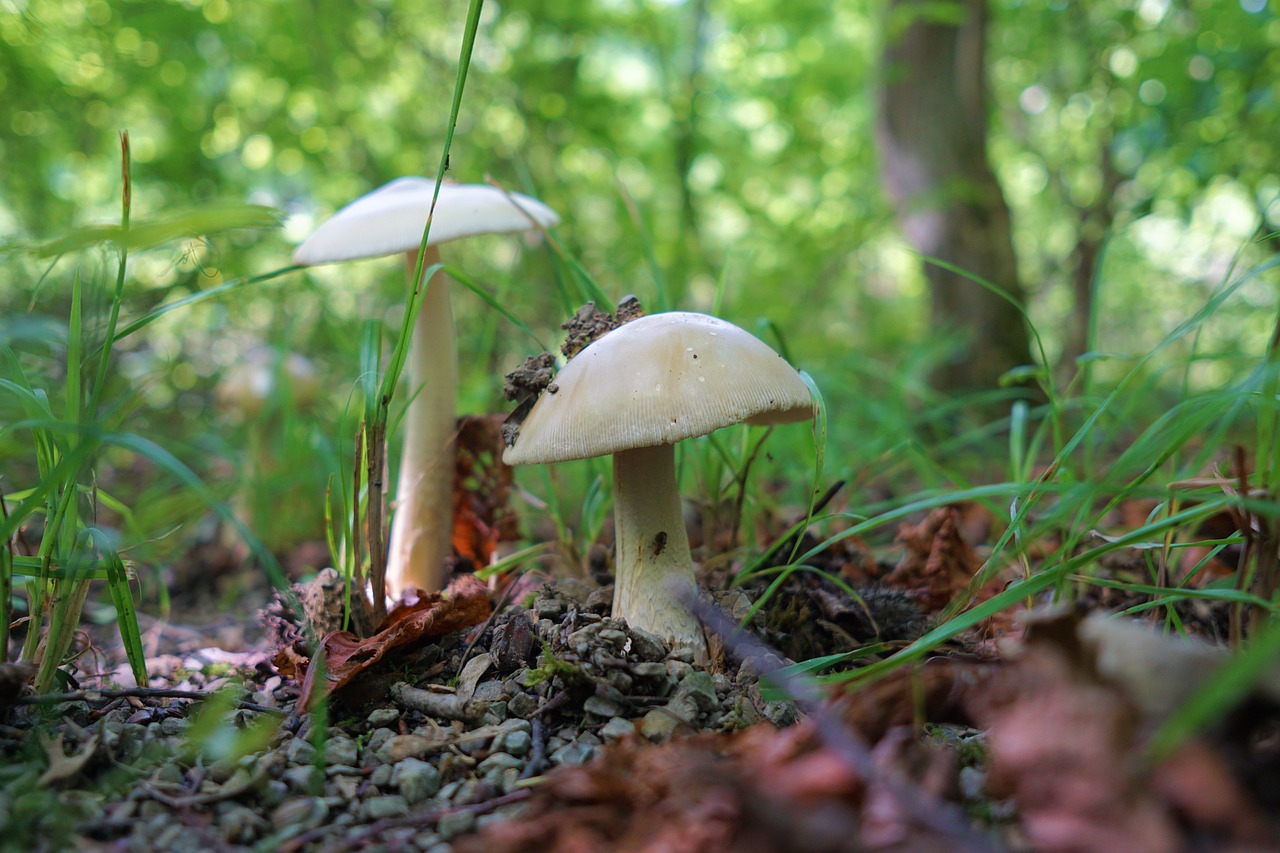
<point>464,603</point>
<point>939,563</point>
<point>1069,745</point>
<point>482,515</point>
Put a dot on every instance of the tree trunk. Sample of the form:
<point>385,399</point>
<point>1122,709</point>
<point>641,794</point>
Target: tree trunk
<point>932,136</point>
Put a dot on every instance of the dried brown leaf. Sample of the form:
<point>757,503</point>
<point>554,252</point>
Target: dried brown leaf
<point>464,603</point>
<point>938,691</point>
<point>760,790</point>
<point>482,515</point>
<point>938,563</point>
<point>1069,747</point>
<point>63,767</point>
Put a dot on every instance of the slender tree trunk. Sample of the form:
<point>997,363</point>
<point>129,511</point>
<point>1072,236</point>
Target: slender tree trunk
<point>1092,231</point>
<point>932,136</point>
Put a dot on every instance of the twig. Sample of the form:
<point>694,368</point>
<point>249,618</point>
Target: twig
<point>551,704</point>
<point>135,692</point>
<point>538,756</point>
<point>226,792</point>
<point>938,815</point>
<point>358,837</point>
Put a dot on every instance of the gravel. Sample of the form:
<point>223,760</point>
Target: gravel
<point>433,753</point>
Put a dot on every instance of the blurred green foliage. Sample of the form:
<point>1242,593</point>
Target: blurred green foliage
<point>692,148</point>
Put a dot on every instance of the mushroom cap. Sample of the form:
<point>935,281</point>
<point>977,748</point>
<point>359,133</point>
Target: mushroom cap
<point>390,220</point>
<point>658,380</point>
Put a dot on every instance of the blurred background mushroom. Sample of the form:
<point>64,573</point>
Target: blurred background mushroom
<point>387,221</point>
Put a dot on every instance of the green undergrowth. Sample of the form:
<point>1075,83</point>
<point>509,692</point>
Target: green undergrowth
<point>1069,461</point>
<point>113,451</point>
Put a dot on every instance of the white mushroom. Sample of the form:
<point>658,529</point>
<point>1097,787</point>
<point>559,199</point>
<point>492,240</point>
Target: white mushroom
<point>388,221</point>
<point>634,393</point>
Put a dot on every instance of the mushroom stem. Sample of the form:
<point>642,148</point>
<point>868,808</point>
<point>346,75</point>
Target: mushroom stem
<point>422,527</point>
<point>654,569</point>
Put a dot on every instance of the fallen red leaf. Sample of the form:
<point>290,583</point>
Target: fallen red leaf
<point>1069,746</point>
<point>482,516</point>
<point>760,790</point>
<point>464,603</point>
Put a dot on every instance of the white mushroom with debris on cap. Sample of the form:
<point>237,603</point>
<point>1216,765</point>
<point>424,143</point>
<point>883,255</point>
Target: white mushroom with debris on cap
<point>634,393</point>
<point>389,221</point>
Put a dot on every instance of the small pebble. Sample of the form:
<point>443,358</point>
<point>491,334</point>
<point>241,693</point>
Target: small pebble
<point>658,726</point>
<point>239,823</point>
<point>646,646</point>
<point>341,750</point>
<point>299,777</point>
<point>616,728</point>
<point>678,669</point>
<point>498,761</point>
<point>299,751</point>
<point>169,773</point>
<point>273,792</point>
<point>302,813</point>
<point>521,705</point>
<point>416,780</point>
<point>400,747</point>
<point>378,808</point>
<point>346,787</point>
<point>517,743</point>
<point>573,753</point>
<point>454,824</point>
<point>381,776</point>
<point>699,688</point>
<point>373,744</point>
<point>972,783</point>
<point>174,726</point>
<point>384,717</point>
<point>601,707</point>
<point>685,655</point>
<point>649,669</point>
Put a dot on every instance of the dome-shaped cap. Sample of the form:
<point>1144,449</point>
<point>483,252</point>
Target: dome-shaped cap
<point>390,220</point>
<point>658,380</point>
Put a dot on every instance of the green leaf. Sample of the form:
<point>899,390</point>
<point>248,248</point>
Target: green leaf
<point>144,235</point>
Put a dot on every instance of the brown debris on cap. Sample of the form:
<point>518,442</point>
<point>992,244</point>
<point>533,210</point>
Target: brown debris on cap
<point>523,386</point>
<point>589,323</point>
<point>526,383</point>
<point>658,380</point>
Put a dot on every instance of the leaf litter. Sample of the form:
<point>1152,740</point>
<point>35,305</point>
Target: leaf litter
<point>530,720</point>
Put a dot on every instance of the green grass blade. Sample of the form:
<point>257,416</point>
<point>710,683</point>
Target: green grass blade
<point>819,451</point>
<point>213,219</point>
<point>32,567</point>
<point>117,298</point>
<point>75,344</point>
<point>126,615</point>
<point>490,300</point>
<point>197,298</point>
<point>6,584</point>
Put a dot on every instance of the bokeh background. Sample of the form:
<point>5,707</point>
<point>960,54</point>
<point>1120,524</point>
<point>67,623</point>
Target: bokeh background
<point>703,155</point>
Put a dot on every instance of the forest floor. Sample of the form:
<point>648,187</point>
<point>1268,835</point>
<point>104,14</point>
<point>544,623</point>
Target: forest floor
<point>523,718</point>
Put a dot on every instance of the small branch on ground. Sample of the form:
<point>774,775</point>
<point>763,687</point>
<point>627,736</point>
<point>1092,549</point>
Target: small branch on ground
<point>357,838</point>
<point>133,692</point>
